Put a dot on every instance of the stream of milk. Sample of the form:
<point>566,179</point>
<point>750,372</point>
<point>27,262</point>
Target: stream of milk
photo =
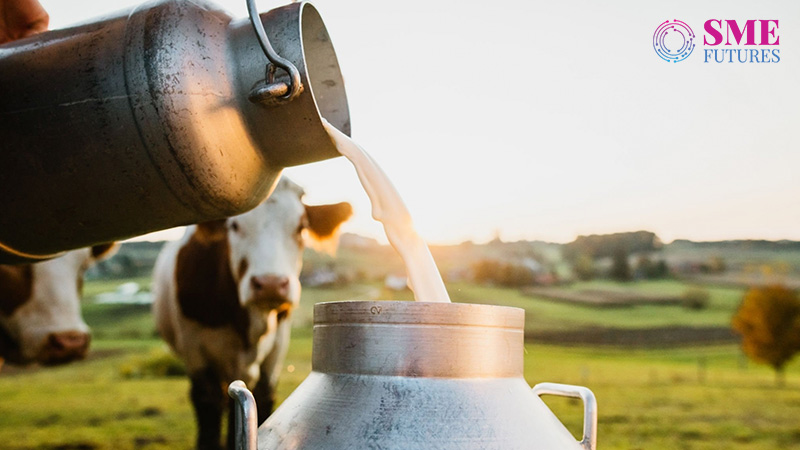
<point>388,208</point>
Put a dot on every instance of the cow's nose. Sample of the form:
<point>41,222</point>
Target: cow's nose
<point>65,346</point>
<point>275,286</point>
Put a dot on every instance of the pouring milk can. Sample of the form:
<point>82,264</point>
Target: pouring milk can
<point>411,375</point>
<point>167,114</point>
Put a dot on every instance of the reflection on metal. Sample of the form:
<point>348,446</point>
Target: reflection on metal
<point>402,375</point>
<point>246,422</point>
<point>141,121</point>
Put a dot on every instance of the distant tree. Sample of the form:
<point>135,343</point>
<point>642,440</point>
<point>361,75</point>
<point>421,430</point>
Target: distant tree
<point>661,269</point>
<point>769,321</point>
<point>604,245</point>
<point>695,298</point>
<point>515,275</point>
<point>620,268</point>
<point>644,267</point>
<point>502,273</point>
<point>487,271</point>
<point>714,265</point>
<point>717,265</point>
<point>583,267</point>
<point>647,268</point>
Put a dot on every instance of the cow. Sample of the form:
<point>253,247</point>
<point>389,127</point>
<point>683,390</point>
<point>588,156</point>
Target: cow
<point>223,297</point>
<point>40,311</point>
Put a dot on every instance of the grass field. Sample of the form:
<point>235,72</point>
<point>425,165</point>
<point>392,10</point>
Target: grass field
<point>699,397</point>
<point>541,314</point>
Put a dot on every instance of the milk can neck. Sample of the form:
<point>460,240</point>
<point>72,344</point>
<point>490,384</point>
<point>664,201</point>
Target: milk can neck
<point>415,339</point>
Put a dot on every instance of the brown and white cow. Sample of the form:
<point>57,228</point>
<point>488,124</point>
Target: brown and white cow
<point>40,311</point>
<point>223,297</point>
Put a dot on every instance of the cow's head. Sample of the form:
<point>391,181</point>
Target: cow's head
<point>40,317</point>
<point>266,245</point>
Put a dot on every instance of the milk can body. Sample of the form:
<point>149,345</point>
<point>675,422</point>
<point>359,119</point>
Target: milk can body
<point>410,375</point>
<point>141,121</point>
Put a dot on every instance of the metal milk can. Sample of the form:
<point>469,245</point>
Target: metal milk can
<point>167,114</point>
<point>411,375</point>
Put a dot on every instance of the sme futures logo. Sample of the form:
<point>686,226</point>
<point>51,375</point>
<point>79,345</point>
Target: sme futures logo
<point>724,41</point>
<point>673,41</point>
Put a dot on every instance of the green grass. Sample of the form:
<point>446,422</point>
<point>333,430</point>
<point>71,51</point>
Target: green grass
<point>687,398</point>
<point>542,314</point>
<point>93,287</point>
<point>114,321</point>
<point>647,399</point>
<point>672,399</point>
<point>90,405</point>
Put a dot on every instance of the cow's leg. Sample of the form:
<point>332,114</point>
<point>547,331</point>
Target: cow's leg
<point>208,400</point>
<point>231,425</point>
<point>265,389</point>
<point>265,397</point>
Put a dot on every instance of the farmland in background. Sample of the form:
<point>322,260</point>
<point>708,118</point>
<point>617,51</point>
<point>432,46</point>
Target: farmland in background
<point>696,392</point>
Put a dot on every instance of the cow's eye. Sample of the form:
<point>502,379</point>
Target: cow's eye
<point>234,226</point>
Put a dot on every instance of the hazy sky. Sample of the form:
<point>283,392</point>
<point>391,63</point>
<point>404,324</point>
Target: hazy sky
<point>545,120</point>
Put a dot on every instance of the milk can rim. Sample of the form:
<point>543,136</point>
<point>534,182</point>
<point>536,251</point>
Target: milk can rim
<point>418,313</point>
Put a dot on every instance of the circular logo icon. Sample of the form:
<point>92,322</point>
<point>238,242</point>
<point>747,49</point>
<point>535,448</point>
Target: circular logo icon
<point>673,41</point>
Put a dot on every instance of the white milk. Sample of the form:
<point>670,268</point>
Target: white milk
<point>389,209</point>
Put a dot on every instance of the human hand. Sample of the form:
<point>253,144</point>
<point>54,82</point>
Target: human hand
<point>21,18</point>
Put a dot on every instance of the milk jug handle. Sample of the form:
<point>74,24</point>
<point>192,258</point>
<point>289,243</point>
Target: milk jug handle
<point>246,416</point>
<point>589,441</point>
<point>272,93</point>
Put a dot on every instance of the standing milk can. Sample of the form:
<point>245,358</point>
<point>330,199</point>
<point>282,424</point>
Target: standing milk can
<point>167,114</point>
<point>412,375</point>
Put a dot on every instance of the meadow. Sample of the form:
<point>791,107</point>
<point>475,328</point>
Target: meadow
<point>126,394</point>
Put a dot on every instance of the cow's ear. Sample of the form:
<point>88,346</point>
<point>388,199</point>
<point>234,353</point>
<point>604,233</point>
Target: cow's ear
<point>324,222</point>
<point>211,231</point>
<point>104,251</point>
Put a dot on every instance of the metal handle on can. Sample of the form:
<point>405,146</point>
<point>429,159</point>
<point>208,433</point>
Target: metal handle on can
<point>273,93</point>
<point>589,441</point>
<point>246,421</point>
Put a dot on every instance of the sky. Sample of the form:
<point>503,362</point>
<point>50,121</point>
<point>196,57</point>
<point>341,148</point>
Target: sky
<point>546,120</point>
